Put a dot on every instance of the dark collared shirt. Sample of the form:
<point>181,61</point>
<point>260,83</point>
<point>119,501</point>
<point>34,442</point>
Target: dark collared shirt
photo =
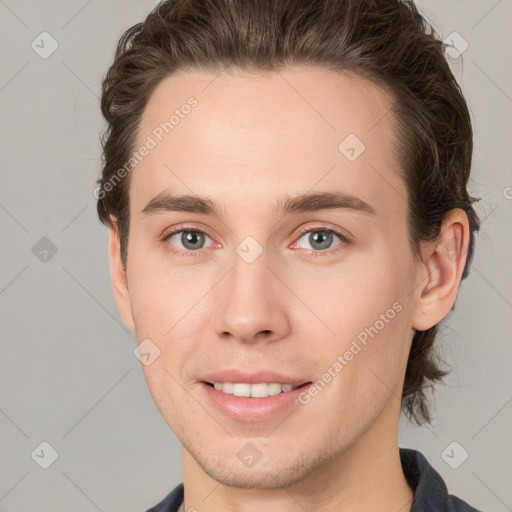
<point>430,492</point>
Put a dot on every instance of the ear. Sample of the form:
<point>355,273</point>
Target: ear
<point>118,276</point>
<point>441,271</point>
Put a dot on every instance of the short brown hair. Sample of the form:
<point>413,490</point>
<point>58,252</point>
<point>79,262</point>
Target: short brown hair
<point>385,41</point>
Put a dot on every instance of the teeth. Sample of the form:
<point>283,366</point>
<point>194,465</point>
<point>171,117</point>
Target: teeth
<point>260,390</point>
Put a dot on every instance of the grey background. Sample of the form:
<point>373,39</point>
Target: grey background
<point>68,375</point>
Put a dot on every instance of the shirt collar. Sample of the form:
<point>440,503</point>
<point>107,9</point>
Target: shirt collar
<point>430,491</point>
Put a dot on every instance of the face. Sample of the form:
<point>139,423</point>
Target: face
<point>321,292</point>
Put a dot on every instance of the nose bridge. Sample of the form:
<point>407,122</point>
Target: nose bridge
<point>248,302</point>
<point>250,273</point>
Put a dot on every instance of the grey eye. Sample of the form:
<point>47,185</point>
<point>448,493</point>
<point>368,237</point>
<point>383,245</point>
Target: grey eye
<point>190,240</point>
<point>319,239</point>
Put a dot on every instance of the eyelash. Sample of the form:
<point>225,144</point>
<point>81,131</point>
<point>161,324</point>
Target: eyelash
<point>344,240</point>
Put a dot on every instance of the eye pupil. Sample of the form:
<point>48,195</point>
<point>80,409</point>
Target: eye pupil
<point>191,237</point>
<point>317,236</point>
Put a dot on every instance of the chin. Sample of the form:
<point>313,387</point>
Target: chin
<point>268,473</point>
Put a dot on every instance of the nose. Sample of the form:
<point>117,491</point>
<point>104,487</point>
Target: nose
<point>251,303</point>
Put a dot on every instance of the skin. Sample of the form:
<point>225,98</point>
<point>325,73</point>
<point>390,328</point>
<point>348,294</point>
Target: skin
<point>251,140</point>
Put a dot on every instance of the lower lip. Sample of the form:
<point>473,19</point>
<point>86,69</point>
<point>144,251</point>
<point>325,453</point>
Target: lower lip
<point>248,409</point>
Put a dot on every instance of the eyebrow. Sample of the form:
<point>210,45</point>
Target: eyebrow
<point>167,202</point>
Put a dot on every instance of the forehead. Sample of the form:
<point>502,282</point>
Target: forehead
<point>250,135</point>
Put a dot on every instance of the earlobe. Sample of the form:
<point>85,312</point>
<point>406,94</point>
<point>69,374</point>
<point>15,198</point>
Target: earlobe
<point>118,277</point>
<point>442,270</point>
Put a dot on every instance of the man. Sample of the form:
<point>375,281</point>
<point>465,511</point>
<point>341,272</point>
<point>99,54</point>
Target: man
<point>285,184</point>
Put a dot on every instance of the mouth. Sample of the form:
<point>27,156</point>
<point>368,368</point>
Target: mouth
<point>252,402</point>
<point>257,390</point>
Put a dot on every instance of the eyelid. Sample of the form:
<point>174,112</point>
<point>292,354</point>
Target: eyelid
<point>193,228</point>
<point>188,227</point>
<point>343,234</point>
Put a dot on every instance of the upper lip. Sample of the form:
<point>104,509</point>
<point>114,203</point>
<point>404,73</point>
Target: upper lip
<point>234,375</point>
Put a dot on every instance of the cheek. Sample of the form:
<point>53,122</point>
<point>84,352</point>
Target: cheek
<point>352,297</point>
<point>163,296</point>
<point>367,311</point>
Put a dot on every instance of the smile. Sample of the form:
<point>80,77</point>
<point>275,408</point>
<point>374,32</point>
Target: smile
<point>259,390</point>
